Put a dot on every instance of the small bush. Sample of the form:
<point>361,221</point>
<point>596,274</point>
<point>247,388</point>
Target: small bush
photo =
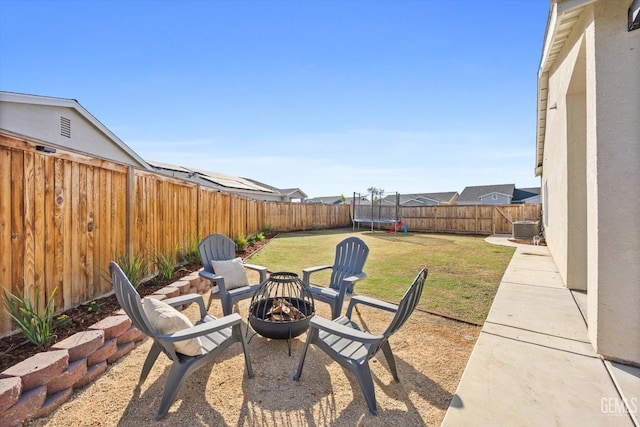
<point>166,263</point>
<point>267,230</point>
<point>133,267</point>
<point>259,236</point>
<point>35,326</point>
<point>191,253</point>
<point>241,242</point>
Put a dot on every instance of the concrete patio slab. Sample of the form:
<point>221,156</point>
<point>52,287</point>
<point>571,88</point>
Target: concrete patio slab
<point>513,383</point>
<point>572,346</point>
<point>627,378</point>
<point>540,309</point>
<point>528,276</point>
<point>536,261</point>
<point>533,364</point>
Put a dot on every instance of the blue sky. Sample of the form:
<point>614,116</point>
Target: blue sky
<point>328,96</point>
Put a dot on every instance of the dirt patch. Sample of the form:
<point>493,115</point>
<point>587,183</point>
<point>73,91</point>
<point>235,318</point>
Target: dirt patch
<point>430,352</point>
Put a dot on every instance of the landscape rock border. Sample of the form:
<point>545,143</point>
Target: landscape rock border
<point>37,386</point>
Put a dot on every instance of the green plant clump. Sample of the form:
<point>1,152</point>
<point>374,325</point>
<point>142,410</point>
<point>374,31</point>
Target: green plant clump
<point>133,267</point>
<point>191,254</point>
<point>241,242</point>
<point>267,230</point>
<point>35,326</point>
<point>166,263</point>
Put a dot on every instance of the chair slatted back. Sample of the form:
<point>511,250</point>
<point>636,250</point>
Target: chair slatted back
<point>129,299</point>
<point>351,254</point>
<point>408,303</point>
<point>216,247</point>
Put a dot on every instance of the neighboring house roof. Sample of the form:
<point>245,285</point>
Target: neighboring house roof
<point>39,118</point>
<point>472,195</point>
<point>207,177</point>
<point>522,194</point>
<point>290,193</point>
<point>327,200</point>
<point>336,200</point>
<point>234,184</point>
<point>424,199</point>
<point>563,15</point>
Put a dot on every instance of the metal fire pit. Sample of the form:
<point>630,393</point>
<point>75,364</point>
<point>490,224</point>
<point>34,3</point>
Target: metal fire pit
<point>282,307</point>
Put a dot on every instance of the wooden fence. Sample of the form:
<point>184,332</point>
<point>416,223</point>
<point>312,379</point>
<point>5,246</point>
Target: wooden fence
<point>471,219</point>
<point>64,216</point>
<point>458,219</point>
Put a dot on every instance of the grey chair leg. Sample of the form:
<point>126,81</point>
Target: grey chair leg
<point>363,375</point>
<point>227,305</point>
<point>391,361</point>
<point>245,348</point>
<point>154,352</point>
<point>177,375</point>
<point>312,333</point>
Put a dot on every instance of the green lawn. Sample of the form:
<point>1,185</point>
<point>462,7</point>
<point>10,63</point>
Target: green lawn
<point>464,271</point>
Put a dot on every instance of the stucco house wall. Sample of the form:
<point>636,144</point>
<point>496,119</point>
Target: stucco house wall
<point>40,118</point>
<point>590,166</point>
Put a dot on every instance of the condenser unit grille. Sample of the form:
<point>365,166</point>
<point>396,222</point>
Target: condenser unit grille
<point>525,229</point>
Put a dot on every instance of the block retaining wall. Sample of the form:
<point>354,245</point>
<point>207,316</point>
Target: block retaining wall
<point>36,387</point>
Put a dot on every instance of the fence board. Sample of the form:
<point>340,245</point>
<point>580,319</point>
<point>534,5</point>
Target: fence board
<point>64,216</point>
<point>5,228</point>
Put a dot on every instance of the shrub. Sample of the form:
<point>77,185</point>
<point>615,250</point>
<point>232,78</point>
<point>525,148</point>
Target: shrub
<point>191,254</point>
<point>166,263</point>
<point>267,230</point>
<point>241,242</point>
<point>35,326</point>
<point>133,267</point>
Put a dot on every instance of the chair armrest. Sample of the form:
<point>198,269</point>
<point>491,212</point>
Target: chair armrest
<point>355,278</point>
<point>343,331</point>
<point>260,269</point>
<point>371,302</point>
<point>213,277</point>
<point>307,271</point>
<point>204,328</point>
<point>187,299</point>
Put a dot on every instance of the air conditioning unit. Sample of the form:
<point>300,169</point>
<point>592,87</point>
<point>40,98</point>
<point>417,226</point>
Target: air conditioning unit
<point>525,230</point>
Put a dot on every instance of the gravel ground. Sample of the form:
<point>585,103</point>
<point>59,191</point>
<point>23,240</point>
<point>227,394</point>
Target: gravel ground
<point>431,353</point>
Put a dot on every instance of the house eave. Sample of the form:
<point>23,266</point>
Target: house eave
<point>563,16</point>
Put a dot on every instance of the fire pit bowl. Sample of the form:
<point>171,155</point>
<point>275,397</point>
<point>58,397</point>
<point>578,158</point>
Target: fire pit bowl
<point>281,307</point>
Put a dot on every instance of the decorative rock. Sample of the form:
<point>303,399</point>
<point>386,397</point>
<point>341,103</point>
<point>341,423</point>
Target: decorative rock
<point>69,377</point>
<point>10,389</point>
<point>133,334</point>
<point>192,290</point>
<point>112,326</point>
<point>26,407</point>
<point>182,285</point>
<point>38,370</point>
<point>193,279</point>
<point>120,312</point>
<point>168,291</point>
<point>103,353</point>
<point>122,350</point>
<point>92,373</point>
<point>202,284</point>
<point>81,344</point>
<point>53,401</point>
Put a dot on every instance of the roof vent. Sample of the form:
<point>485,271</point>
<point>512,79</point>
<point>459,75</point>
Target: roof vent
<point>65,127</point>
